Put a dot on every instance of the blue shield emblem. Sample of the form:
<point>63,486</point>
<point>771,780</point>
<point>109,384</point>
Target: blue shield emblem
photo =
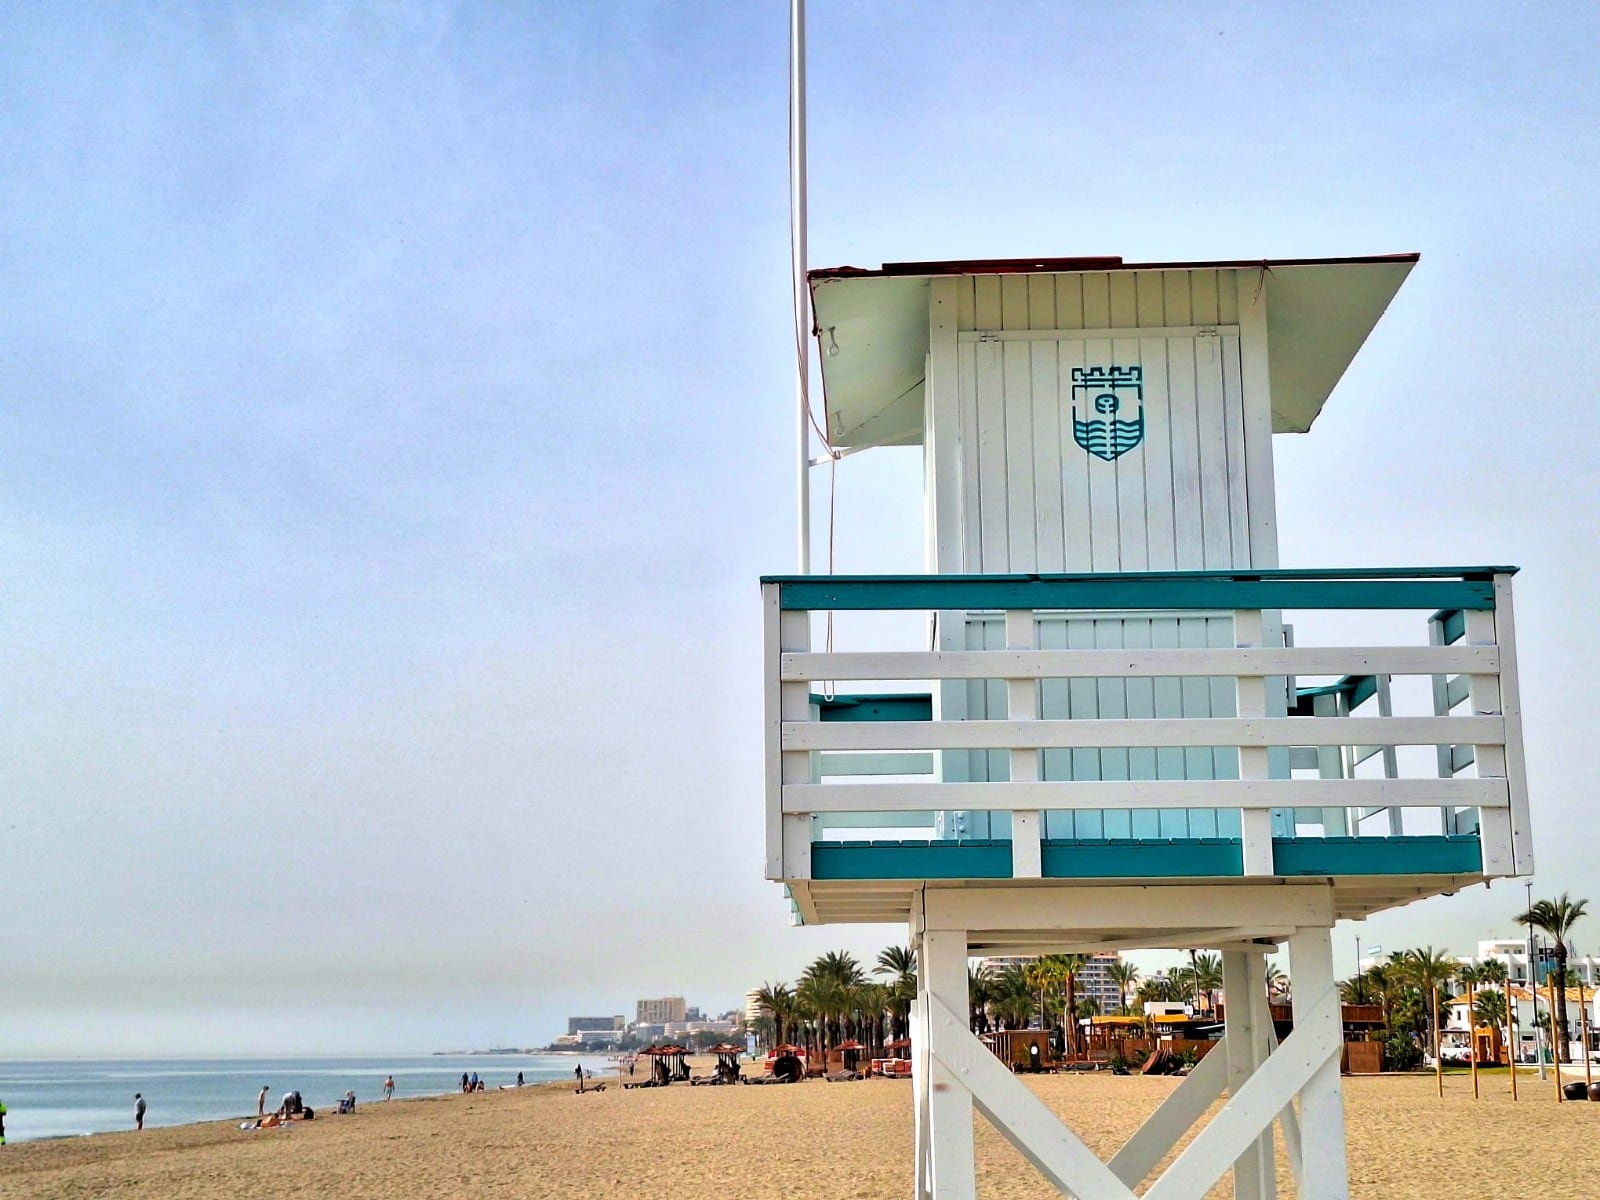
<point>1104,391</point>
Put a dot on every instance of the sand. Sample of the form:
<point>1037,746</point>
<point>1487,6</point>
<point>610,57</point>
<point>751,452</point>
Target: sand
<point>845,1140</point>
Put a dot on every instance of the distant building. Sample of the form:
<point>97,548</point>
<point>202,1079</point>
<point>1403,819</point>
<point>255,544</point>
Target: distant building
<point>1513,952</point>
<point>693,1013</point>
<point>659,1012</point>
<point>678,1029</point>
<point>595,1024</point>
<point>1092,980</point>
<point>754,1010</point>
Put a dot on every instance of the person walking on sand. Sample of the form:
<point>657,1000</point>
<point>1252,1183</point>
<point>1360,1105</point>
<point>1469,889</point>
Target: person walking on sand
<point>388,1088</point>
<point>2,1122</point>
<point>138,1111</point>
<point>261,1102</point>
<point>578,1071</point>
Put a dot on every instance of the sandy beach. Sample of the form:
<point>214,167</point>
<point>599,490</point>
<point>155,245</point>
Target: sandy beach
<point>848,1140</point>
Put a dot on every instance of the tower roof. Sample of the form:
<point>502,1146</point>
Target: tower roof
<point>1319,312</point>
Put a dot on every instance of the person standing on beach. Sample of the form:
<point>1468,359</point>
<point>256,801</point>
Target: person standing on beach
<point>578,1071</point>
<point>261,1102</point>
<point>138,1111</point>
<point>2,1122</point>
<point>388,1088</point>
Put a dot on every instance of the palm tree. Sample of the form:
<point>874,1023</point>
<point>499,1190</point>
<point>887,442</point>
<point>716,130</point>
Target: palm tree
<point>1126,976</point>
<point>1556,918</point>
<point>1208,977</point>
<point>1429,970</point>
<point>980,990</point>
<point>1278,986</point>
<point>778,1006</point>
<point>1359,989</point>
<point>1011,997</point>
<point>900,964</point>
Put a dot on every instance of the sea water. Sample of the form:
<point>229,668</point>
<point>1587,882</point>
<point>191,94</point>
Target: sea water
<point>48,1098</point>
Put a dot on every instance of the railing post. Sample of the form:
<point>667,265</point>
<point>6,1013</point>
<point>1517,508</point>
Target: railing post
<point>1254,761</point>
<point>1511,708</point>
<point>1494,824</point>
<point>788,837</point>
<point>1022,704</point>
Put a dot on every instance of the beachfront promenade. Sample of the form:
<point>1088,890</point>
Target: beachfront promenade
<point>814,1140</point>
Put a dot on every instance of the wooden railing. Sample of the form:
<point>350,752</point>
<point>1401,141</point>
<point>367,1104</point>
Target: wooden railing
<point>1470,657</point>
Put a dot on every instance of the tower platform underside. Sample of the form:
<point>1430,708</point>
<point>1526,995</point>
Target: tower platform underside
<point>891,901</point>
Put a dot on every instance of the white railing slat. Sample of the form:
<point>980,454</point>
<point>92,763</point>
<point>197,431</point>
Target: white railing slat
<point>1131,732</point>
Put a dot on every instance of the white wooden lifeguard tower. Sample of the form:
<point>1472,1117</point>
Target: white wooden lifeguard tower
<point>1107,739</point>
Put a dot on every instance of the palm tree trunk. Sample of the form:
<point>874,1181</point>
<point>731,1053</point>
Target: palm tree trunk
<point>1563,1039</point>
<point>1072,1017</point>
<point>1439,1063</point>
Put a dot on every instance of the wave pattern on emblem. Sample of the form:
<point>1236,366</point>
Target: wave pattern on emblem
<point>1108,439</point>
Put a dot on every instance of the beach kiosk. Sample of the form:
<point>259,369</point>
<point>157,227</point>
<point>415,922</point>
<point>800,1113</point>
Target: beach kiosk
<point>1114,720</point>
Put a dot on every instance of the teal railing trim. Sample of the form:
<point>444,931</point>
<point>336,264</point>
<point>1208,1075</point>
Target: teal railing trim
<point>1149,858</point>
<point>1466,588</point>
<point>879,706</point>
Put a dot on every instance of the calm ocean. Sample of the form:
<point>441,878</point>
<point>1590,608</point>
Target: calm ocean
<point>66,1098</point>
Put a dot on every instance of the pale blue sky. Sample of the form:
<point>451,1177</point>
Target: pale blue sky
<point>395,415</point>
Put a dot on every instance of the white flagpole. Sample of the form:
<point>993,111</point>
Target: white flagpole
<point>802,305</point>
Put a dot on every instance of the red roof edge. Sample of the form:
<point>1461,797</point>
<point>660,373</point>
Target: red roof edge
<point>1030,266</point>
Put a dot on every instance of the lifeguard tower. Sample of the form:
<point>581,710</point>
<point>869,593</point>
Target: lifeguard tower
<point>1122,725</point>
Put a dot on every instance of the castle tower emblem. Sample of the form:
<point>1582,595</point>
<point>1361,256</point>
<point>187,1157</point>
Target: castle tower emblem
<point>1107,388</point>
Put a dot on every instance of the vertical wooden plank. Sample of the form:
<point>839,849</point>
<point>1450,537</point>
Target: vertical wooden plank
<point>1198,762</point>
<point>1105,531</point>
<point>971,492</point>
<point>1049,528</point>
<point>1187,532</point>
<point>1124,300</point>
<point>772,644</point>
<point>1212,431</point>
<point>944,429</point>
<point>966,303</point>
<point>991,464</point>
<point>1014,304</point>
<point>1511,705</point>
<point>949,1101</point>
<point>1160,538</point>
<point>1149,299</point>
<point>1041,301</point>
<point>1325,1172</point>
<point>1136,635</point>
<point>1055,705</point>
<point>1076,501</point>
<point>1022,552</point>
<point>1167,693</point>
<point>1111,699</point>
<point>1084,704</point>
<point>1096,300</point>
<point>986,313</point>
<point>1242,974</point>
<point>1022,704</point>
<point>1253,761</point>
<point>1234,289</point>
<point>1494,824</point>
<point>1069,301</point>
<point>1133,545</point>
<point>1233,417</point>
<point>1260,472</point>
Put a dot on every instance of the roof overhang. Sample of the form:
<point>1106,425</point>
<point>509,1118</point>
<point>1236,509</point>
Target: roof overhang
<point>872,328</point>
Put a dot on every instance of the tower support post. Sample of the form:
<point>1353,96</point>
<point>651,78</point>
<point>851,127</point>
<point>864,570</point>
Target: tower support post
<point>1324,1169</point>
<point>1248,1020</point>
